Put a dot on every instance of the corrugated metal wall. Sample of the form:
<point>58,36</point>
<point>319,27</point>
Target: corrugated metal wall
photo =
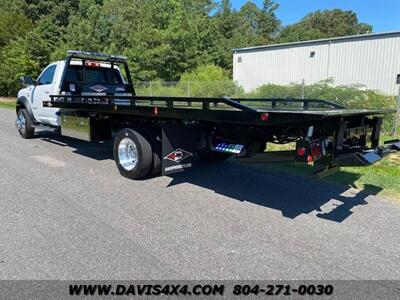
<point>373,61</point>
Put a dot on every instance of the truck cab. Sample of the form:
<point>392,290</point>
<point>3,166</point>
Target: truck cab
<point>36,91</point>
<point>69,77</point>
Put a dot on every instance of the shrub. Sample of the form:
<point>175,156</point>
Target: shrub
<point>350,96</point>
<point>208,81</point>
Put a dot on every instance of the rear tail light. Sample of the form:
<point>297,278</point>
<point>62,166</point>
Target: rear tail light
<point>301,151</point>
<point>316,151</point>
<point>264,117</point>
<point>310,151</point>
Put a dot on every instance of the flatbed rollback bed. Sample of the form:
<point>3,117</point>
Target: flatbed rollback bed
<point>166,134</point>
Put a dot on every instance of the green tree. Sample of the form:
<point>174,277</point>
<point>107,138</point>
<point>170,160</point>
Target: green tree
<point>324,24</point>
<point>257,26</point>
<point>166,38</point>
<point>88,28</point>
<point>163,39</point>
<point>60,10</point>
<point>12,25</point>
<point>250,26</point>
<point>17,6</point>
<point>16,60</point>
<point>34,39</point>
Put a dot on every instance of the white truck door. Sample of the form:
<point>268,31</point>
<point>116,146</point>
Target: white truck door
<point>45,86</point>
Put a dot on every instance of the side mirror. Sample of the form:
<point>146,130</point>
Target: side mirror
<point>27,80</point>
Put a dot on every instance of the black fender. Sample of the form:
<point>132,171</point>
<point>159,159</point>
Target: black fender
<point>22,102</point>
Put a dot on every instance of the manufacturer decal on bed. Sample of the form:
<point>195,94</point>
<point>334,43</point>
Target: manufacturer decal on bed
<point>178,155</point>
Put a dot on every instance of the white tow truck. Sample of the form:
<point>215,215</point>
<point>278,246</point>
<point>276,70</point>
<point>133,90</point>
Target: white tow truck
<point>91,96</point>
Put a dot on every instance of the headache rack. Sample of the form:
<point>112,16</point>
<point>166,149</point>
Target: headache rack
<point>95,55</point>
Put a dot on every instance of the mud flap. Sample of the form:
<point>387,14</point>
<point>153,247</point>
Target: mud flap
<point>178,147</point>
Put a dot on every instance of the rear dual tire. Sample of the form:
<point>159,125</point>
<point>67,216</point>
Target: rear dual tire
<point>137,154</point>
<point>133,154</point>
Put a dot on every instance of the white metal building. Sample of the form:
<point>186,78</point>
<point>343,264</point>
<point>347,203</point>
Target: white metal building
<point>372,60</point>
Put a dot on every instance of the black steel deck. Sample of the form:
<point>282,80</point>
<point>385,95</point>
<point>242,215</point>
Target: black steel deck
<point>223,109</point>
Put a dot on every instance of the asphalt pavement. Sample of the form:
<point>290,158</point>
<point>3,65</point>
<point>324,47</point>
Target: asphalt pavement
<point>66,213</point>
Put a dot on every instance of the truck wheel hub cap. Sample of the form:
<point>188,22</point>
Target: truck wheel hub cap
<point>127,154</point>
<point>20,122</point>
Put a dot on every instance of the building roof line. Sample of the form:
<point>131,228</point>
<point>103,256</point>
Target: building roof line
<point>327,40</point>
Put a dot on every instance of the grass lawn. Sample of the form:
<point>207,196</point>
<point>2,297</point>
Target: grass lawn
<point>7,102</point>
<point>382,177</point>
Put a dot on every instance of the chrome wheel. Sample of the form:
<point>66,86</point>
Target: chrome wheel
<point>20,123</point>
<point>127,154</point>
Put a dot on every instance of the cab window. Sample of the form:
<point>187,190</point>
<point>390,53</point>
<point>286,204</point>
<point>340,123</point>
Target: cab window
<point>47,76</point>
<point>75,73</point>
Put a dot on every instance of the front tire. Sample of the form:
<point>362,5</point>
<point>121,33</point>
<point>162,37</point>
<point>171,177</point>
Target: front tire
<point>24,124</point>
<point>132,154</point>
